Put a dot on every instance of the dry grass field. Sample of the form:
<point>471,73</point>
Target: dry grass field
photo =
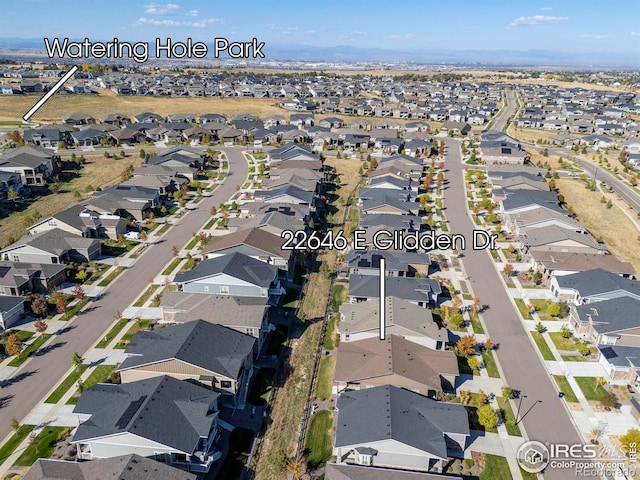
<point>608,224</point>
<point>96,172</point>
<point>15,106</point>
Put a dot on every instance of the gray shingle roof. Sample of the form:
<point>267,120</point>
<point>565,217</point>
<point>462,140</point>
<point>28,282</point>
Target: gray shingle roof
<point>355,472</point>
<point>388,412</point>
<point>621,355</point>
<point>597,281</point>
<point>55,241</point>
<point>393,260</point>
<point>171,412</point>
<point>613,315</point>
<point>235,265</point>
<point>125,467</point>
<point>207,345</point>
<point>404,222</point>
<point>406,288</point>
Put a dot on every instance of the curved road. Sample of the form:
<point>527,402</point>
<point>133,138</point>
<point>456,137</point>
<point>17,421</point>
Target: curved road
<point>43,372</point>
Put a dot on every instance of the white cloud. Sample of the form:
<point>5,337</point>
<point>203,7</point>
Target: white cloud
<point>174,23</point>
<point>597,36</point>
<point>537,20</point>
<point>546,9</point>
<point>192,13</point>
<point>156,9</point>
<point>406,36</point>
<point>635,34</point>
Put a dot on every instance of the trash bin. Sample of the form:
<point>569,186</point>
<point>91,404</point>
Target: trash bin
<point>560,394</point>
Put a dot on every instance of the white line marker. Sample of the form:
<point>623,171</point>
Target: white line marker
<point>50,93</point>
<point>383,294</point>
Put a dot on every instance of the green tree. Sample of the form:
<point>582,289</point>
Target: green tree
<point>565,332</point>
<point>487,416</point>
<point>39,305</point>
<point>81,275</point>
<point>77,360</point>
<point>14,345</point>
<point>630,440</point>
<point>540,328</point>
<point>15,424</point>
<point>474,363</point>
<point>553,310</point>
<point>507,392</point>
<point>457,320</point>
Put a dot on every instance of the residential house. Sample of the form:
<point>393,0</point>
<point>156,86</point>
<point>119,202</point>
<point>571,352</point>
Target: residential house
<point>207,353</point>
<point>397,263</point>
<point>233,274</point>
<point>244,314</point>
<point>287,194</point>
<point>253,242</point>
<point>78,119</point>
<point>127,136</point>
<point>117,205</point>
<point>78,220</point>
<point>11,310</point>
<point>557,239</point>
<point>34,164</point>
<point>123,467</point>
<point>389,201</point>
<point>621,364</point>
<point>52,246</point>
<point>420,291</point>
<point>542,218</point>
<point>565,263</point>
<point>404,319</point>
<point>163,418</point>
<point>18,278</point>
<point>455,128</point>
<point>608,322</point>
<point>392,427</point>
<point>593,286</point>
<point>372,362</point>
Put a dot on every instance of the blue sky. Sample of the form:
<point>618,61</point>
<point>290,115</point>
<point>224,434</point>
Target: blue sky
<point>565,26</point>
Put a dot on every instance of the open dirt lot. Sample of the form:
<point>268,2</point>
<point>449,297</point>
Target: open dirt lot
<point>609,224</point>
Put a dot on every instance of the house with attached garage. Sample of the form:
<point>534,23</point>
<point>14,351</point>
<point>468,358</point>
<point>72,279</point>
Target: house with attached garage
<point>166,419</point>
<point>372,362</point>
<point>287,194</point>
<point>78,220</point>
<point>88,137</point>
<point>392,427</point>
<point>256,243</point>
<point>52,246</point>
<point>116,205</point>
<point>233,274</point>
<point>18,278</point>
<point>397,263</point>
<point>565,263</point>
<point>124,467</point>
<point>291,152</point>
<point>212,355</point>
<point>420,291</point>
<point>248,315</point>
<point>47,136</point>
<point>360,321</point>
<point>33,164</point>
<point>557,239</point>
<point>621,364</point>
<point>11,310</point>
<point>608,322</point>
<point>386,200</point>
<point>593,286</point>
<point>542,218</point>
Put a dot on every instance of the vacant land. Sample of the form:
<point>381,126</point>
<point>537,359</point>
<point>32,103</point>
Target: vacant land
<point>108,102</point>
<point>608,224</point>
<point>97,172</point>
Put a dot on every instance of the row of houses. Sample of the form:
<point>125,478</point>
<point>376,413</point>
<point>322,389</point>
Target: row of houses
<point>602,291</point>
<point>389,419</point>
<point>182,380</point>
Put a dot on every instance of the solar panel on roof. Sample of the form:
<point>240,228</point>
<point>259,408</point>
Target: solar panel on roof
<point>131,410</point>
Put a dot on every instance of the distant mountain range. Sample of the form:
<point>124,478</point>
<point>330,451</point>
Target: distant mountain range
<point>345,53</point>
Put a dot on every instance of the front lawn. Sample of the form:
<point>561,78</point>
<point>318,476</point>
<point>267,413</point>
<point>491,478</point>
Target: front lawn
<point>565,387</point>
<point>318,441</point>
<point>590,388</point>
<point>135,328</point>
<point>26,353</point>
<point>66,384</point>
<point>562,343</point>
<point>325,377</point>
<point>43,448</point>
<point>496,468</point>
<point>542,346</point>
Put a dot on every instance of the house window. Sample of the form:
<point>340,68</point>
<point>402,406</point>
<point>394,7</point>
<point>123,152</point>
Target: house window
<point>16,258</point>
<point>224,290</point>
<point>225,384</point>
<point>54,259</point>
<point>52,223</point>
<point>249,331</point>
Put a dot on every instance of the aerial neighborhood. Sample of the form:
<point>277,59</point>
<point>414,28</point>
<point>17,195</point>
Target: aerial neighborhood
<point>204,321</point>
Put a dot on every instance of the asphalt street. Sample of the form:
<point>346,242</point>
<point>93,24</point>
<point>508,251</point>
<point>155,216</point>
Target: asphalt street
<point>41,373</point>
<point>542,414</point>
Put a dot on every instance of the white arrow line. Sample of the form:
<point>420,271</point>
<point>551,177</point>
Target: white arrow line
<point>50,93</point>
<point>383,303</point>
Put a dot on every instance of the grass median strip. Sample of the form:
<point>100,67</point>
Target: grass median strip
<point>146,295</point>
<point>16,439</point>
<point>172,266</point>
<point>475,323</point>
<point>508,417</point>
<point>522,308</point>
<point>565,387</point>
<point>112,333</point>
<point>109,278</point>
<point>99,375</point>
<point>490,364</point>
<point>542,346</point>
<point>66,384</point>
<point>26,353</point>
